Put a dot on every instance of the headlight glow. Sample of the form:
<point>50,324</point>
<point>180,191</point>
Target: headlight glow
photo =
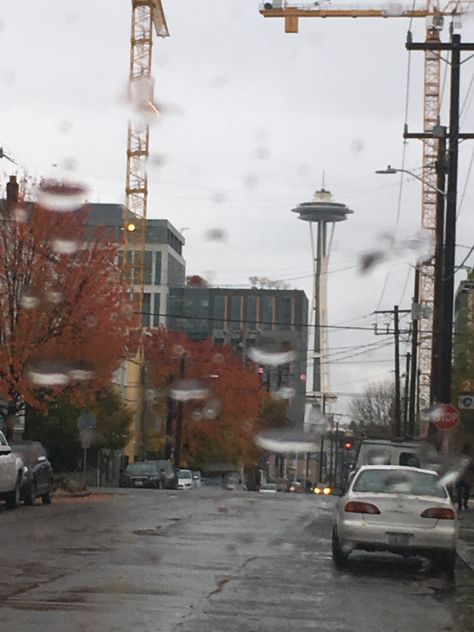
<point>326,491</point>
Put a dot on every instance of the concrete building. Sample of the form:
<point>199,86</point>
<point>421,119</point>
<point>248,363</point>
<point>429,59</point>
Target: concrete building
<point>165,266</point>
<point>237,317</point>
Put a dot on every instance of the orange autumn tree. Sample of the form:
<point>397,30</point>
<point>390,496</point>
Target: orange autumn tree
<point>222,426</point>
<point>62,316</point>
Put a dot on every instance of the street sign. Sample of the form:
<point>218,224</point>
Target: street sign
<point>87,421</point>
<point>466,401</point>
<point>447,417</point>
<point>467,385</point>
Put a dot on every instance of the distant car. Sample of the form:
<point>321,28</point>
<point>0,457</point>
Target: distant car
<point>150,474</point>
<point>185,479</point>
<point>296,487</point>
<point>403,510</point>
<point>268,488</point>
<point>322,489</point>
<point>197,480</point>
<point>37,481</point>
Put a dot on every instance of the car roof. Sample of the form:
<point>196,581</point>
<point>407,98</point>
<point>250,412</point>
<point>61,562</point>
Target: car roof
<point>407,468</point>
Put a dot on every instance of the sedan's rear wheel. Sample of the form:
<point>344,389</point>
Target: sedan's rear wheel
<point>443,562</point>
<point>340,558</point>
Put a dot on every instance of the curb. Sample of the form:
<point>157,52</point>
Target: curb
<point>465,554</point>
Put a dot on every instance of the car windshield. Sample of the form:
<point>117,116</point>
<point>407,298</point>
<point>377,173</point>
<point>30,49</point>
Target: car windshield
<point>398,481</point>
<point>141,468</point>
<point>185,474</point>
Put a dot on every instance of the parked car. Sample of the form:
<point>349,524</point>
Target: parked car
<point>268,488</point>
<point>151,474</point>
<point>37,480</point>
<point>403,510</point>
<point>296,487</point>
<point>197,480</point>
<point>11,474</point>
<point>185,479</point>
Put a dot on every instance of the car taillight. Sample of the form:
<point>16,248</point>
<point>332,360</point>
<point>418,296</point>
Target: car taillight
<point>438,513</point>
<point>359,507</point>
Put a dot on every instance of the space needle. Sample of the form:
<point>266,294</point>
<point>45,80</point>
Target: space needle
<point>323,212</point>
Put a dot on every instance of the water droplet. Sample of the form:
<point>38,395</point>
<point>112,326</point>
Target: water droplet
<point>285,392</point>
<point>218,358</point>
<point>287,440</point>
<point>219,197</point>
<point>250,182</point>
<point>262,153</point>
<point>49,373</point>
<point>186,389</point>
<point>156,160</point>
<point>61,196</point>
<point>81,372</point>
<point>273,349</point>
<point>54,296</point>
<point>357,145</point>
<point>211,409</point>
<point>65,126</point>
<point>29,298</point>
<point>196,415</point>
<point>178,350</point>
<point>140,99</point>
<point>65,246</point>
<point>215,234</point>
<point>91,322</point>
<point>369,260</point>
<point>20,215</point>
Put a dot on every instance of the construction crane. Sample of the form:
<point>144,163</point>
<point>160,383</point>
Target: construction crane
<point>146,15</point>
<point>434,12</point>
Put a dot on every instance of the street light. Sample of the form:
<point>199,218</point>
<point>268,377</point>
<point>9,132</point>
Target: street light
<point>392,170</point>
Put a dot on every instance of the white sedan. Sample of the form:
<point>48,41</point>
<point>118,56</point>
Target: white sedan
<point>399,509</point>
<point>185,479</point>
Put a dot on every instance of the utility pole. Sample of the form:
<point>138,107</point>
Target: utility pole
<point>321,451</point>
<point>179,417</point>
<point>442,370</point>
<point>414,356</point>
<point>396,332</point>
<point>407,395</point>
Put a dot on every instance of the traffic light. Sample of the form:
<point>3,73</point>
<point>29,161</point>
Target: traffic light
<point>348,445</point>
<point>131,227</point>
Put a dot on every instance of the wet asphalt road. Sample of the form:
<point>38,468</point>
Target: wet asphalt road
<point>209,561</point>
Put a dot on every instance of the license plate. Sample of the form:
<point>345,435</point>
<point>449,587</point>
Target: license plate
<point>398,539</point>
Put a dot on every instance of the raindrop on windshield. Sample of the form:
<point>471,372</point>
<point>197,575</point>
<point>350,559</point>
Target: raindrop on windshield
<point>61,196</point>
<point>287,440</point>
<point>273,349</point>
<point>211,409</point>
<point>186,389</point>
<point>19,214</point>
<point>215,234</point>
<point>65,246</point>
<point>49,373</point>
<point>54,296</point>
<point>285,392</point>
<point>140,100</point>
<point>29,298</point>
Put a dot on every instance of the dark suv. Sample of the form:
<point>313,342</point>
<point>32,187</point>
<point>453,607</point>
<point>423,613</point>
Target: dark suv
<point>151,474</point>
<point>37,480</point>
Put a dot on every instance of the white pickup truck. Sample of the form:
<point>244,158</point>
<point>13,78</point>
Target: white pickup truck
<point>11,474</point>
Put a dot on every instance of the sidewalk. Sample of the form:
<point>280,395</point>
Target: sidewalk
<point>465,546</point>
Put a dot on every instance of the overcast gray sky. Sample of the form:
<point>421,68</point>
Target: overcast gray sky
<point>251,118</point>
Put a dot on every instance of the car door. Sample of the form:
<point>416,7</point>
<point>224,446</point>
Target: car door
<point>8,472</point>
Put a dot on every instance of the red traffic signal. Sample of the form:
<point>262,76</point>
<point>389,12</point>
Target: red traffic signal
<point>348,445</point>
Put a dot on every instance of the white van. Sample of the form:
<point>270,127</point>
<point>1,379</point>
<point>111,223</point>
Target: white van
<point>388,452</point>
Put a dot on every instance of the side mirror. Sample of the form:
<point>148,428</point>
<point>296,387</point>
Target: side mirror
<point>5,449</point>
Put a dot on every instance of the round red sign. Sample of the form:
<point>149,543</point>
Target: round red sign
<point>447,417</point>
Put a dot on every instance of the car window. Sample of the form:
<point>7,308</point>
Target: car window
<point>378,456</point>
<point>395,481</point>
<point>141,468</point>
<point>3,441</point>
<point>409,458</point>
<point>185,474</point>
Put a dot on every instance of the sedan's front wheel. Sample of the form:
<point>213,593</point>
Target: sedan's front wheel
<point>340,558</point>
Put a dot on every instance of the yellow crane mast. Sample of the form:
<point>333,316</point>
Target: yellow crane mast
<point>146,15</point>
<point>434,15</point>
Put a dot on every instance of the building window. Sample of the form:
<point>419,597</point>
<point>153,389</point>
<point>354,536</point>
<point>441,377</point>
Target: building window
<point>148,267</point>
<point>219,312</point>
<point>235,314</point>
<point>146,309</point>
<point>156,310</point>
<point>175,272</point>
<point>284,315</point>
<point>158,268</point>
<point>266,312</point>
<point>251,312</point>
